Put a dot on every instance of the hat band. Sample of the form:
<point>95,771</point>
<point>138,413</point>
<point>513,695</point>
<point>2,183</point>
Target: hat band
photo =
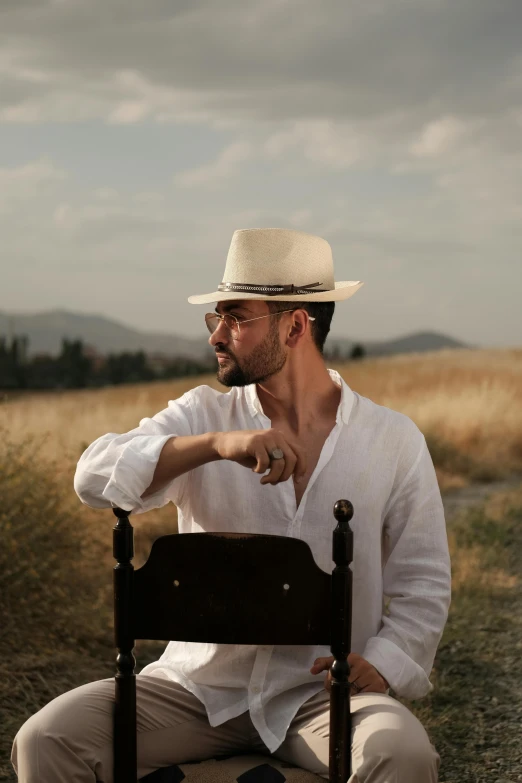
<point>271,290</point>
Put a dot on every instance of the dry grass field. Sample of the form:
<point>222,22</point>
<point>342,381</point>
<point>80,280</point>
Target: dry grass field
<point>56,555</point>
<point>466,402</point>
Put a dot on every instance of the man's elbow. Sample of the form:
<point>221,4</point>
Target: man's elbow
<point>90,490</point>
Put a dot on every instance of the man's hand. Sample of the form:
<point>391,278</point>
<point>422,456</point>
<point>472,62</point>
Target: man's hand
<point>251,448</point>
<point>362,673</point>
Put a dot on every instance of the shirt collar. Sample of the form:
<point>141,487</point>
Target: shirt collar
<point>343,411</point>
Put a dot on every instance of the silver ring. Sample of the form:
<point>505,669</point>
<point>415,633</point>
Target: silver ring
<point>357,688</point>
<point>276,454</point>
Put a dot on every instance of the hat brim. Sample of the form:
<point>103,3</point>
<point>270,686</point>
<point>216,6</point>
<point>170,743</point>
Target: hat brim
<point>343,290</point>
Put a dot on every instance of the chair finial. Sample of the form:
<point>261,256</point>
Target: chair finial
<point>120,512</point>
<point>343,510</point>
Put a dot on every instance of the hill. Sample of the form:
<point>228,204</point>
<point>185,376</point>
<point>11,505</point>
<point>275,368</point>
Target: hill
<point>418,342</point>
<point>46,331</point>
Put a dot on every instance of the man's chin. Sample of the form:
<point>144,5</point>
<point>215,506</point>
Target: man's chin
<point>231,377</point>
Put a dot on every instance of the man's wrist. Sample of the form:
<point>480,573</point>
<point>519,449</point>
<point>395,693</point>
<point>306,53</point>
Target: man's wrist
<point>213,440</point>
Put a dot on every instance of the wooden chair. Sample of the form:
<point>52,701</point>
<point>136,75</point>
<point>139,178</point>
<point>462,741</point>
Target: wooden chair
<point>279,595</point>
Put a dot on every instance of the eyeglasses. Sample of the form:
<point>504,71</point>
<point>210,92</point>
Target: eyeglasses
<point>213,320</point>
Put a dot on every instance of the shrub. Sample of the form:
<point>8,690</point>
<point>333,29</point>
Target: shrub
<point>51,592</point>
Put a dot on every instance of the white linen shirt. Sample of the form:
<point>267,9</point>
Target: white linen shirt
<point>375,457</point>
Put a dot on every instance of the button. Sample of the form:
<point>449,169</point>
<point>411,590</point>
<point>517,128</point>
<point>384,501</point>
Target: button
<point>255,689</point>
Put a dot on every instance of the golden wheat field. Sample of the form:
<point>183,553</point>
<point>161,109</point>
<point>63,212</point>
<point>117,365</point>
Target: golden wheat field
<point>468,403</point>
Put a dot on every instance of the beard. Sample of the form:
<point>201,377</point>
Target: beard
<point>265,360</point>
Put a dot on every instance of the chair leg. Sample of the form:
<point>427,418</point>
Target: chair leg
<point>125,744</point>
<point>340,766</point>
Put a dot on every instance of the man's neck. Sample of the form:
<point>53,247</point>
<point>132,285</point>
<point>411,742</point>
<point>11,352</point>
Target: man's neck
<point>300,400</point>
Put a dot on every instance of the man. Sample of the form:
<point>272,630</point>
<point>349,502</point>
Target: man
<point>273,455</point>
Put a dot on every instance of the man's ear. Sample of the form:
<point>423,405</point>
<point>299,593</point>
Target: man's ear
<point>297,330</point>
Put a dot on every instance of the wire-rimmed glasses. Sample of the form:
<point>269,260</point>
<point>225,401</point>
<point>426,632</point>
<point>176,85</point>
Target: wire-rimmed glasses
<point>213,320</point>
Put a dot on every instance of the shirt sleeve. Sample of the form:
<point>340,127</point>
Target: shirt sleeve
<point>115,470</point>
<point>416,578</point>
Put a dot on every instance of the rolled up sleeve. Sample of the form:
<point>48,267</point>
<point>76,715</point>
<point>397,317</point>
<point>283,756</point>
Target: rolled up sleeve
<point>417,579</point>
<point>116,469</point>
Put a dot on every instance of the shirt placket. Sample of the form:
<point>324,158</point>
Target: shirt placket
<point>296,514</point>
<point>257,680</point>
<point>287,491</point>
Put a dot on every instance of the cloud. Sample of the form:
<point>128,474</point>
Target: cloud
<point>279,61</point>
<point>438,137</point>
<point>31,175</point>
<point>226,165</point>
<point>23,185</point>
<point>329,144</point>
<point>429,88</point>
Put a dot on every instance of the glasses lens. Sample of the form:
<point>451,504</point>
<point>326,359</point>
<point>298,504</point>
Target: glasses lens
<point>212,320</point>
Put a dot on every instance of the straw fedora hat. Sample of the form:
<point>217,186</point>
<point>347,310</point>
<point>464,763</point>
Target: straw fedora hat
<point>280,264</point>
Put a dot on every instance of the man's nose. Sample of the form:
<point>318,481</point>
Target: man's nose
<point>220,335</point>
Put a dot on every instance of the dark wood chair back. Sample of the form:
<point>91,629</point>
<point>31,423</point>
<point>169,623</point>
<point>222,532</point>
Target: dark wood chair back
<point>232,588</point>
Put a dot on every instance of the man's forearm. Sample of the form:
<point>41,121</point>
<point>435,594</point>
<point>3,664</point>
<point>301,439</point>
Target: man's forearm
<point>179,455</point>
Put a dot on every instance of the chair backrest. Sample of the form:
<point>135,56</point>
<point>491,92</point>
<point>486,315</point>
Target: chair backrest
<point>232,588</point>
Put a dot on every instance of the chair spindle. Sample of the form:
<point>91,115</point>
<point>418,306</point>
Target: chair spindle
<point>125,756</point>
<point>341,623</point>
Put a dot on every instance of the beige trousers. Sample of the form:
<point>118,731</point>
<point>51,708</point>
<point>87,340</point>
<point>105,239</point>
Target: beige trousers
<point>70,739</point>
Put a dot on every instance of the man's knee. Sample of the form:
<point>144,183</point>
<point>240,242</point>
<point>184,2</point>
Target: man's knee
<point>75,720</point>
<point>25,743</point>
<point>404,750</point>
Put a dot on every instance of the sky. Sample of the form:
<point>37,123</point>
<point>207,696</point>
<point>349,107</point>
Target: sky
<point>136,137</point>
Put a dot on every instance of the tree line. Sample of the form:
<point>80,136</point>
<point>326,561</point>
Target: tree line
<point>75,369</point>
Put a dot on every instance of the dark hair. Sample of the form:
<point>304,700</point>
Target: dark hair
<point>321,311</point>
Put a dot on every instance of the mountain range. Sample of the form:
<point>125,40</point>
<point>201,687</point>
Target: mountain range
<point>47,329</point>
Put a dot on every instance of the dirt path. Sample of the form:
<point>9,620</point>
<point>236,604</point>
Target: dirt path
<point>455,500</point>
